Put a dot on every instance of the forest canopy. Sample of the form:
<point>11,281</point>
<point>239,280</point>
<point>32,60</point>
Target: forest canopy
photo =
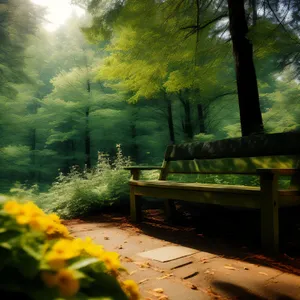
<point>142,74</point>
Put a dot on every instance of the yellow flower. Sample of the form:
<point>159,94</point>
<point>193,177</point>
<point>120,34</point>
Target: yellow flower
<point>24,213</point>
<point>60,252</point>
<point>64,279</point>
<point>111,260</point>
<point>131,289</point>
<point>63,230</point>
<point>57,263</point>
<point>54,218</point>
<point>89,247</point>
<point>49,279</point>
<point>35,210</point>
<point>12,207</point>
<point>93,249</point>
<point>39,223</point>
<point>24,216</point>
<point>68,285</point>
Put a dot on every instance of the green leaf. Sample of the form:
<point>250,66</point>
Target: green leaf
<point>31,244</point>
<point>107,286</point>
<point>6,236</point>
<point>84,263</point>
<point>5,255</point>
<point>27,265</point>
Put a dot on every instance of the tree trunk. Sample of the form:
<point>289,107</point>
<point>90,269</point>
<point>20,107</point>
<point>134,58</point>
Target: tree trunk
<point>135,147</point>
<point>32,152</point>
<point>87,140</point>
<point>87,132</point>
<point>187,122</point>
<point>170,120</point>
<point>201,119</point>
<point>33,109</point>
<point>253,5</point>
<point>250,113</point>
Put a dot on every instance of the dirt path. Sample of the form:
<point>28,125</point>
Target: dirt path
<point>212,272</point>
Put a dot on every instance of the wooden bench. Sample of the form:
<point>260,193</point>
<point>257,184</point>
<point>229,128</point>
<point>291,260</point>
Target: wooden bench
<point>266,156</point>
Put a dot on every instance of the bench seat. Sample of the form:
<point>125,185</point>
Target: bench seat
<point>241,196</point>
<point>266,156</point>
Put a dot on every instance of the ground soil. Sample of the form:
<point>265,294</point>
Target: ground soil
<point>227,242</point>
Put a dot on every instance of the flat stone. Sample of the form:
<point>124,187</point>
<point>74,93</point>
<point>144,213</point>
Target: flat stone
<point>168,253</point>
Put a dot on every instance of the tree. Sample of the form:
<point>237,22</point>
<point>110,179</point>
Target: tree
<point>249,105</point>
<point>153,59</point>
<point>18,21</point>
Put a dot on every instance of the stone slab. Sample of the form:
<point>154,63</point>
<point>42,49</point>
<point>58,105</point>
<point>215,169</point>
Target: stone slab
<point>168,253</point>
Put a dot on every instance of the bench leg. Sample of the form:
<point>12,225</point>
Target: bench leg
<point>269,213</point>
<point>135,207</point>
<point>170,210</point>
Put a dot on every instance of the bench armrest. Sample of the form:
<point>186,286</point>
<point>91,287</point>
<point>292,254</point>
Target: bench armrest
<point>136,170</point>
<point>283,172</point>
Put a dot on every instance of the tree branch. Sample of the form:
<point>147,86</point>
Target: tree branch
<point>198,27</point>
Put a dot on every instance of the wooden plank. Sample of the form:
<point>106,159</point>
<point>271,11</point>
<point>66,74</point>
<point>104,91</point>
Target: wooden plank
<point>295,180</point>
<point>238,166</point>
<point>135,206</point>
<point>142,168</point>
<point>208,197</point>
<point>289,200</point>
<point>164,170</point>
<point>280,172</point>
<point>286,143</point>
<point>269,212</point>
<point>135,174</point>
<point>240,189</point>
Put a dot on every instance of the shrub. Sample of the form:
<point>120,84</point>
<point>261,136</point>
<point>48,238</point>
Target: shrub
<point>81,193</point>
<point>39,260</point>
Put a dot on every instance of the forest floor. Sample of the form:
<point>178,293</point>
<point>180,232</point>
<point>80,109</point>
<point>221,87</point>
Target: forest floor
<point>218,269</point>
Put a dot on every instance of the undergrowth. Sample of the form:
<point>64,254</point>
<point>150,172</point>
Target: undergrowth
<point>78,193</point>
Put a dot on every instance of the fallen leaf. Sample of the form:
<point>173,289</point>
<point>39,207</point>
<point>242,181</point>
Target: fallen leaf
<point>191,286</point>
<point>106,238</point>
<point>158,270</point>
<point>209,272</point>
<point>127,259</point>
<point>120,247</point>
<point>229,268</point>
<point>165,276</point>
<point>131,273</point>
<point>125,242</point>
<point>245,268</point>
<point>158,290</point>
<point>144,280</point>
<point>143,264</point>
<point>263,273</point>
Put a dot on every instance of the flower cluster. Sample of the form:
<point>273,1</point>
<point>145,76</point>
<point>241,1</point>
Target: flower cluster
<point>45,253</point>
<point>29,214</point>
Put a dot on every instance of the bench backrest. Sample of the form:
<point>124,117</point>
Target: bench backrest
<point>233,156</point>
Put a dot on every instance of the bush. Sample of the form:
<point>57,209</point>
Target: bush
<point>81,193</point>
<point>39,260</point>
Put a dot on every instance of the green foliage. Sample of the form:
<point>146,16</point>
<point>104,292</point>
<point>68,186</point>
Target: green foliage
<point>30,252</point>
<point>61,94</point>
<point>83,193</point>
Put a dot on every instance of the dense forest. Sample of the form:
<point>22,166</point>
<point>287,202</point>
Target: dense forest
<point>140,75</point>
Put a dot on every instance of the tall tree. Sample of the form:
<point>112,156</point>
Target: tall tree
<point>249,105</point>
